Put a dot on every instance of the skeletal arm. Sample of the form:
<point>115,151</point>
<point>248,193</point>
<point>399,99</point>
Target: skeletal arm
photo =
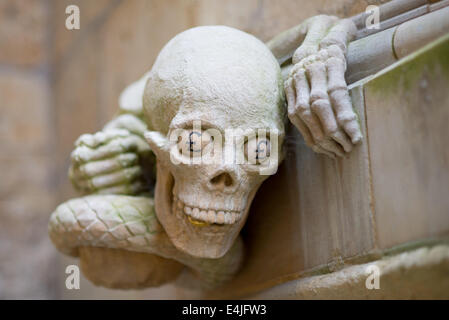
<point>115,160</point>
<point>306,35</point>
<point>317,95</point>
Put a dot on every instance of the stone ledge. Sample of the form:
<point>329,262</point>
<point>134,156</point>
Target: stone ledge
<point>419,274</point>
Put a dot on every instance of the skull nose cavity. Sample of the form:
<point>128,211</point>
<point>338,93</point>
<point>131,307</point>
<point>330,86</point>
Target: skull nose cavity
<point>222,180</point>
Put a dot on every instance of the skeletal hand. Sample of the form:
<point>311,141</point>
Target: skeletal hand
<point>107,162</point>
<point>319,104</point>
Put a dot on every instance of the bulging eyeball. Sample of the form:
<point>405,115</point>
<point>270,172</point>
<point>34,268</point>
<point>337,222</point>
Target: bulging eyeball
<point>193,143</point>
<point>257,150</point>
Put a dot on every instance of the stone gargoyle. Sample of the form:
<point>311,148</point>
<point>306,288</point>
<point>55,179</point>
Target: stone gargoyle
<point>205,81</point>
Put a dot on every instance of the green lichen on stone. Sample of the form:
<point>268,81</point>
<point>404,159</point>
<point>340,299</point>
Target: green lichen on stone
<point>433,59</point>
<point>374,255</point>
<point>413,245</point>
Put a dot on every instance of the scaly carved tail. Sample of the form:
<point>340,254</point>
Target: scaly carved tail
<point>130,223</point>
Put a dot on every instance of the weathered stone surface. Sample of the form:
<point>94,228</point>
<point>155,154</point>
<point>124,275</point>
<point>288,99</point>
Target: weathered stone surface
<point>129,47</point>
<point>408,112</point>
<point>289,231</point>
<point>119,43</point>
<point>23,35</point>
<point>405,149</point>
<point>419,274</point>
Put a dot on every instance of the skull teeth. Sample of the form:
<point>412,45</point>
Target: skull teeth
<point>208,215</point>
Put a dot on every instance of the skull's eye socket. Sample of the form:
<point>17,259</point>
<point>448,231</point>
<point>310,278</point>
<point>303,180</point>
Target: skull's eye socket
<point>192,143</point>
<point>257,150</point>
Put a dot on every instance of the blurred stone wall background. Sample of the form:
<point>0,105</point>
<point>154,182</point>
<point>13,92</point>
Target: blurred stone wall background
<point>56,84</point>
<point>28,171</point>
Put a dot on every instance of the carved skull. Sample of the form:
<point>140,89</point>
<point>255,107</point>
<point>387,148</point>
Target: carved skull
<point>225,79</point>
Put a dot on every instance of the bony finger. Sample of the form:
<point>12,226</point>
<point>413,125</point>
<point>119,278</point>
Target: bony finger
<point>343,140</point>
<point>336,75</point>
<point>335,52</point>
<point>309,60</point>
<point>320,100</point>
<point>346,116</point>
<point>101,137</point>
<point>116,146</point>
<point>312,124</point>
<point>322,108</point>
<point>100,167</point>
<point>93,183</point>
<point>318,80</point>
<point>127,121</point>
<point>318,149</point>
<point>323,55</point>
<point>303,52</point>
<point>341,101</point>
<point>353,130</point>
<point>290,94</point>
<point>86,139</point>
<point>81,183</point>
<point>302,105</point>
<point>331,146</point>
<point>142,145</point>
<point>302,96</point>
<point>317,28</point>
<point>340,34</point>
<point>122,176</point>
<point>75,178</point>
<point>302,128</point>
